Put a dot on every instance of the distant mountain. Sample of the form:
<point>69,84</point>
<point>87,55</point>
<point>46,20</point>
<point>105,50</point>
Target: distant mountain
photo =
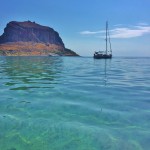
<point>30,38</point>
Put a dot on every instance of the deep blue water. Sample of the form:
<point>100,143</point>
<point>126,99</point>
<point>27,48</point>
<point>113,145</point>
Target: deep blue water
<point>74,103</point>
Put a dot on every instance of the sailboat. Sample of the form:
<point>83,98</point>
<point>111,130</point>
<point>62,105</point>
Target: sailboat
<point>107,54</point>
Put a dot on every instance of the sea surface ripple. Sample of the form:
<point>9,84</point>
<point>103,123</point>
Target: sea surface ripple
<point>74,103</point>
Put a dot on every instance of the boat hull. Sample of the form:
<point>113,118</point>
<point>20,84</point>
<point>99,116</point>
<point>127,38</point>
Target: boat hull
<point>53,55</point>
<point>102,56</point>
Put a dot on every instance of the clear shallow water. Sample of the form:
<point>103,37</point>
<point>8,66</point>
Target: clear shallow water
<point>74,103</point>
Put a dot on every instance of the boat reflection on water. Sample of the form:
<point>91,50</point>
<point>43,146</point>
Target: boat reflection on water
<point>103,68</point>
<point>105,71</point>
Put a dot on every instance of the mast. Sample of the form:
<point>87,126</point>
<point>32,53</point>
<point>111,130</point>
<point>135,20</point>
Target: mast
<point>106,36</point>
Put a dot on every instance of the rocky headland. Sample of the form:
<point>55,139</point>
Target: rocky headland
<point>31,39</point>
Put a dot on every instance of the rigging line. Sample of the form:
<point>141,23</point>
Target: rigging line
<point>109,41</point>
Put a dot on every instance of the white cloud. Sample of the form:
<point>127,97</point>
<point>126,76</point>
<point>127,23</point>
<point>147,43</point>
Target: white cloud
<point>143,24</point>
<point>129,33</point>
<point>123,32</point>
<point>91,32</point>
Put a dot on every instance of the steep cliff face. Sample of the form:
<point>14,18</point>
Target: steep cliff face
<point>30,32</point>
<point>29,38</point>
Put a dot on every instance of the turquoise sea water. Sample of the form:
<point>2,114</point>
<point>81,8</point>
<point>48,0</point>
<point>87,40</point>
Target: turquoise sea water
<point>74,103</point>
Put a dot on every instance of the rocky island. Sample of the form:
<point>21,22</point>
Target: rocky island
<point>31,39</point>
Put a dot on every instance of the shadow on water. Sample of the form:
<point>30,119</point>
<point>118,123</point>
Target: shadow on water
<point>32,72</point>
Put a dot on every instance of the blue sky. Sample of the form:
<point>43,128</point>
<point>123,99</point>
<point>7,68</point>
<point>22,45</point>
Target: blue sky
<point>80,23</point>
